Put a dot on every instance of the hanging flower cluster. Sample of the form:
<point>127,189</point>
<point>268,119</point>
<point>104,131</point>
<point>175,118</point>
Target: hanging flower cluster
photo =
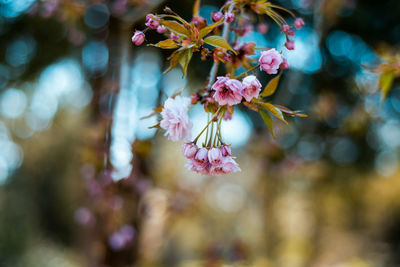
<point>220,42</point>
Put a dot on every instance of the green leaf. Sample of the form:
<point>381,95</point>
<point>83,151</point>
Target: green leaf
<point>291,112</point>
<point>206,30</point>
<point>166,44</point>
<point>385,83</point>
<point>184,59</point>
<point>174,58</point>
<point>271,86</point>
<point>218,41</point>
<point>175,27</point>
<point>268,121</point>
<point>274,110</point>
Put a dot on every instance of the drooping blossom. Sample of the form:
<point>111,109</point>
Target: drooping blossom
<point>284,65</point>
<point>213,161</point>
<point>227,91</point>
<point>138,38</point>
<point>252,87</point>
<point>226,150</point>
<point>215,156</point>
<point>289,45</point>
<point>299,23</point>
<point>262,28</point>
<point>291,33</point>
<point>285,28</point>
<point>151,21</point>
<point>161,29</point>
<point>200,162</point>
<point>270,60</point>
<point>175,119</point>
<point>225,165</point>
<point>216,16</point>
<point>189,150</point>
<point>229,17</point>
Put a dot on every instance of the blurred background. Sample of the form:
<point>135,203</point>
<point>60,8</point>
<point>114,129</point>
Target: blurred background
<point>84,182</point>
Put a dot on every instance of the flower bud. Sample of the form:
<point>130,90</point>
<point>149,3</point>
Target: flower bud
<point>262,28</point>
<point>138,38</point>
<point>289,45</point>
<point>216,16</point>
<point>284,65</point>
<point>189,150</point>
<point>161,29</point>
<point>229,17</point>
<point>299,23</point>
<point>285,28</point>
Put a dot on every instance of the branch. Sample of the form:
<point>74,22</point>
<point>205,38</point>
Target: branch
<point>214,68</point>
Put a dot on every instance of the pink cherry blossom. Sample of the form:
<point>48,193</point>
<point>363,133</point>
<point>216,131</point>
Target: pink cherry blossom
<point>189,150</point>
<point>252,87</point>
<point>216,16</point>
<point>227,91</point>
<point>289,45</point>
<point>226,150</point>
<point>284,65</point>
<point>175,118</point>
<point>161,29</point>
<point>262,28</point>
<point>270,60</point>
<point>151,21</point>
<point>228,165</point>
<point>291,33</point>
<point>229,17</point>
<point>200,161</point>
<point>299,23</point>
<point>215,156</point>
<point>285,28</point>
<point>138,38</point>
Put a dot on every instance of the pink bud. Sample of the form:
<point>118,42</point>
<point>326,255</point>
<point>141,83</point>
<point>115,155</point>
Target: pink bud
<point>284,65</point>
<point>229,17</point>
<point>289,45</point>
<point>161,29</point>
<point>299,23</point>
<point>201,156</point>
<point>189,150</point>
<point>174,36</point>
<point>291,33</point>
<point>226,150</point>
<point>285,28</point>
<point>151,21</point>
<point>216,16</point>
<point>138,38</point>
<point>262,28</point>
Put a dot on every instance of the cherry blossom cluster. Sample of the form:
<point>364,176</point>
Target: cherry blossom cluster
<point>213,156</point>
<point>210,160</point>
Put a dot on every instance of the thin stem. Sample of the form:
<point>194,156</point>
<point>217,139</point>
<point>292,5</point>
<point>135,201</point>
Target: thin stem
<point>202,131</point>
<point>211,135</point>
<point>215,66</point>
<point>208,118</point>
<point>219,127</point>
<point>284,9</point>
<point>246,72</point>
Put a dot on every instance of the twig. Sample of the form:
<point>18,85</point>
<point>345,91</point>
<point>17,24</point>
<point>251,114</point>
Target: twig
<point>214,68</point>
